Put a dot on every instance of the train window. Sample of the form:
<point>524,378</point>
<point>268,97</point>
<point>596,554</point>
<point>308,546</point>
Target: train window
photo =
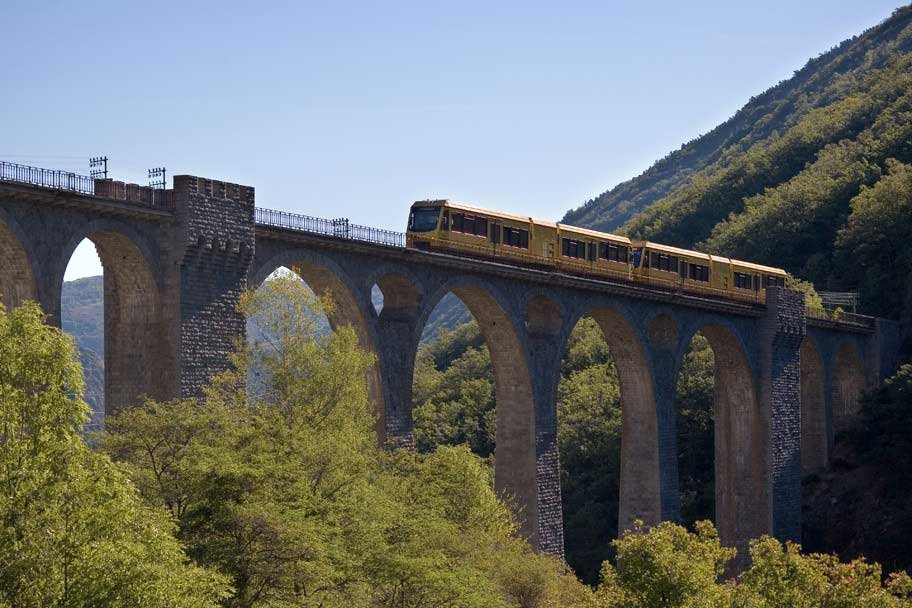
<point>573,249</point>
<point>637,257</point>
<point>612,252</point>
<point>743,281</point>
<point>446,220</point>
<point>698,272</point>
<point>668,263</point>
<point>469,224</point>
<point>495,233</point>
<point>424,219</point>
<point>591,250</point>
<point>515,237</point>
<point>772,281</point>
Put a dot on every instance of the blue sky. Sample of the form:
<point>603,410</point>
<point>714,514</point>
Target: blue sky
<point>356,109</point>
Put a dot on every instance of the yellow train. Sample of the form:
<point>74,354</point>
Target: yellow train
<point>447,226</point>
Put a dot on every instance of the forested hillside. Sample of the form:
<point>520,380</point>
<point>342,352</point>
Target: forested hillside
<point>812,176</point>
<point>823,81</point>
<point>82,316</point>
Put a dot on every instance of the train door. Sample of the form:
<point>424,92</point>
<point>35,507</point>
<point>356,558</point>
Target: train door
<point>495,236</point>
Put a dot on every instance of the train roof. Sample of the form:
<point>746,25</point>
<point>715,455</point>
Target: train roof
<point>759,267</point>
<point>673,250</point>
<point>595,233</point>
<point>464,207</point>
<point>708,257</point>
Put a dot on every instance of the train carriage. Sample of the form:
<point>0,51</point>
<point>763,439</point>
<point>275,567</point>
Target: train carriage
<point>444,225</point>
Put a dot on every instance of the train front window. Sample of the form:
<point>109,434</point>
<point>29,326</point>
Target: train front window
<point>424,219</point>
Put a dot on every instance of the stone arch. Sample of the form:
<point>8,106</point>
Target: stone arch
<point>640,495</point>
<point>515,450</point>
<point>814,436</point>
<point>137,361</point>
<point>17,280</point>
<point>848,381</point>
<point>401,291</point>
<point>741,443</point>
<point>323,275</point>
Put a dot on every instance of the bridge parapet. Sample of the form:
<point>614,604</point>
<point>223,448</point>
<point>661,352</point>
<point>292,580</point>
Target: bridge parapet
<point>86,185</point>
<point>338,227</point>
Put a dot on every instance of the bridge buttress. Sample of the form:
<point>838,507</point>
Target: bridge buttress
<point>663,341</point>
<point>782,331</point>
<point>211,249</point>
<point>396,349</point>
<point>545,336</point>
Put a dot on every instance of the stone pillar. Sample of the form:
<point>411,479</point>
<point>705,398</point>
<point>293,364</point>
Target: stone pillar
<point>781,334</point>
<point>665,378</point>
<point>210,251</point>
<point>397,346</point>
<point>545,352</point>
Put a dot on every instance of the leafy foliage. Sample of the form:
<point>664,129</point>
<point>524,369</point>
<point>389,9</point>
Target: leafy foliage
<point>669,567</point>
<point>834,82</point>
<point>74,530</point>
<point>285,489</point>
<point>863,504</point>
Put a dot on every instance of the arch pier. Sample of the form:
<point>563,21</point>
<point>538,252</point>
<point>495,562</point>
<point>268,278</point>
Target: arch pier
<point>177,261</point>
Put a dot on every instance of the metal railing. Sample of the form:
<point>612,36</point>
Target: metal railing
<point>339,228</point>
<point>49,178</point>
<point>840,317</point>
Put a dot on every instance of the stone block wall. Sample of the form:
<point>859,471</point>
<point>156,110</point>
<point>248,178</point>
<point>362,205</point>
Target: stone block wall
<point>781,334</point>
<point>212,250</point>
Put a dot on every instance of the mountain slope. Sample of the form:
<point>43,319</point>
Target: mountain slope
<point>825,80</point>
<point>82,316</point>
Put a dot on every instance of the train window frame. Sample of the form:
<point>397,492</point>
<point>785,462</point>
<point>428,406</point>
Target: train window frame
<point>613,252</point>
<point>479,225</point>
<point>774,281</point>
<point>579,248</point>
<point>743,280</point>
<point>515,237</point>
<point>697,272</point>
<point>665,262</point>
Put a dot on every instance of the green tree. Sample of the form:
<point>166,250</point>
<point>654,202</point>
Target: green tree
<point>783,577</point>
<point>696,432</point>
<point>74,530</point>
<point>589,440</point>
<point>284,487</point>
<point>873,249</point>
<point>666,567</point>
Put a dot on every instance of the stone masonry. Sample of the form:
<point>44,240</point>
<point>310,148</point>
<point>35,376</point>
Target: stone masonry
<point>177,261</point>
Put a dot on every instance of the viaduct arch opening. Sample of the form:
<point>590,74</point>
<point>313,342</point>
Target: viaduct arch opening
<point>848,381</point>
<point>17,281</point>
<point>589,417</point>
<point>814,435</point>
<point>512,422</point>
<point>136,361</point>
<point>740,443</point>
<point>695,407</point>
<point>321,278</point>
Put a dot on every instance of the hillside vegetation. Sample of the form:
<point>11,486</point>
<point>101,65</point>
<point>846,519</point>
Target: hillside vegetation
<point>811,176</point>
<point>821,82</point>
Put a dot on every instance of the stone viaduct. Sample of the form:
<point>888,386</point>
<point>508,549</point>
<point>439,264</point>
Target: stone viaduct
<point>176,262</point>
